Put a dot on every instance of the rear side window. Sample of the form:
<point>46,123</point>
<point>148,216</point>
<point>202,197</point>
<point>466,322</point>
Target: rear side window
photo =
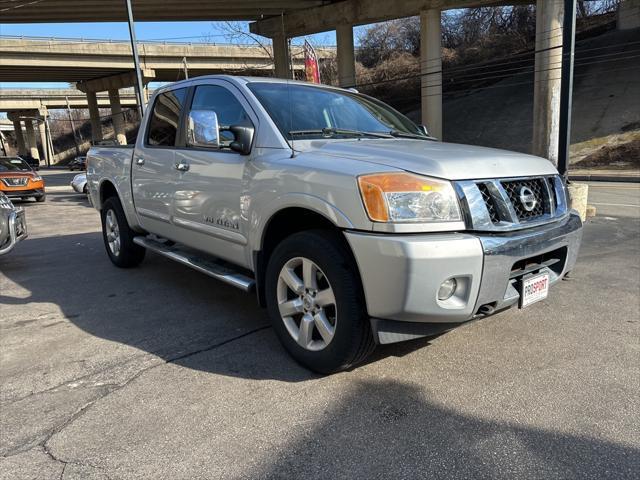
<point>165,117</point>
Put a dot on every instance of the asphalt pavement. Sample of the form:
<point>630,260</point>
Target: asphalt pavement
<point>160,372</point>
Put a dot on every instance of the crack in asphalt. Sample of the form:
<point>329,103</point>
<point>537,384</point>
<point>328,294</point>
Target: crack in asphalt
<point>114,388</point>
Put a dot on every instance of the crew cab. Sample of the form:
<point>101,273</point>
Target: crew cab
<point>353,226</point>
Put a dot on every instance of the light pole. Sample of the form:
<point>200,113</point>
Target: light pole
<point>136,60</point>
<point>566,85</point>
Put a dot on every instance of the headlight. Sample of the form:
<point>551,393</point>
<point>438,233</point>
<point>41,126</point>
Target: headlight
<point>404,197</point>
<point>37,178</point>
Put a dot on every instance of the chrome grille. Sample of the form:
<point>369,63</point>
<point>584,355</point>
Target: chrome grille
<point>503,205</point>
<point>15,181</point>
<point>537,187</point>
<point>489,202</point>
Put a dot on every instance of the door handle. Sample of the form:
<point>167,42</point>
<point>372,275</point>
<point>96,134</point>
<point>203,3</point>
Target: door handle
<point>183,167</point>
<point>139,161</point>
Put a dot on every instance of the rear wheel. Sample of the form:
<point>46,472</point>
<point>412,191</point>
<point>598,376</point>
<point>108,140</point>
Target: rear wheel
<point>118,236</point>
<point>315,302</point>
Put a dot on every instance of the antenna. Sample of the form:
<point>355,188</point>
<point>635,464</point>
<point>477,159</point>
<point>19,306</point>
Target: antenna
<point>286,44</point>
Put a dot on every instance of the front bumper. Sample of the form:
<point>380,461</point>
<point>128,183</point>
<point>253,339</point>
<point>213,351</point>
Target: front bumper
<point>34,192</point>
<point>13,229</point>
<point>401,274</point>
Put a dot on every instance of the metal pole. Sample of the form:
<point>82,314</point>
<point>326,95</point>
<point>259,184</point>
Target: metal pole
<point>4,148</point>
<point>73,127</point>
<point>185,67</point>
<point>136,59</point>
<point>566,85</point>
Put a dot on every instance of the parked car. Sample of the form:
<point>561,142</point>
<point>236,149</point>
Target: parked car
<point>19,180</point>
<point>352,225</point>
<point>79,183</point>
<point>78,163</point>
<point>13,225</point>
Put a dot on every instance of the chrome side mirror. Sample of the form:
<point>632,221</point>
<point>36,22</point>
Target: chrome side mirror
<point>202,129</point>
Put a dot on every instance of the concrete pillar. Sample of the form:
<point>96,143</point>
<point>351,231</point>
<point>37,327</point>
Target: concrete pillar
<point>346,57</point>
<point>43,141</point>
<point>431,70</point>
<point>546,90</point>
<point>31,139</point>
<point>281,57</point>
<point>22,148</point>
<point>117,117</point>
<point>94,115</point>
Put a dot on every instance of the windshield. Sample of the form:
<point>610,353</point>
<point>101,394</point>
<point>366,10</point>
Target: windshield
<point>304,111</point>
<point>14,165</point>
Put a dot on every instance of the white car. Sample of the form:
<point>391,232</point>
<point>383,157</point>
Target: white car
<point>79,183</point>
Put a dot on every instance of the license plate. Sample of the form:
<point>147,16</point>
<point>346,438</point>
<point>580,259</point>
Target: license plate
<point>534,289</point>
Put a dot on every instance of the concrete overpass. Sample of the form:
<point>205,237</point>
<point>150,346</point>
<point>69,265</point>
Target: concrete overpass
<point>35,99</point>
<point>281,20</point>
<point>75,60</point>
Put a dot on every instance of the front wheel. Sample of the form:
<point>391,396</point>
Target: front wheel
<point>41,198</point>
<point>315,301</point>
<point>118,236</point>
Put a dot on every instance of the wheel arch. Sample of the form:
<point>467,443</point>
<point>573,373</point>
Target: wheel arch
<point>282,224</point>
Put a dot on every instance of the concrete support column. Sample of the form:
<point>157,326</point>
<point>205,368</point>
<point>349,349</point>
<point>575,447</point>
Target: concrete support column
<point>431,70</point>
<point>31,139</point>
<point>94,115</point>
<point>116,116</point>
<point>281,57</point>
<point>22,148</point>
<point>346,56</point>
<point>43,141</point>
<point>546,90</point>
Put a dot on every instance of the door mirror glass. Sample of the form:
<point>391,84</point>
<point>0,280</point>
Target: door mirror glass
<point>203,129</point>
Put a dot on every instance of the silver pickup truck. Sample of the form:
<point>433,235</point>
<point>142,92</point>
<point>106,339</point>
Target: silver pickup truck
<point>353,226</point>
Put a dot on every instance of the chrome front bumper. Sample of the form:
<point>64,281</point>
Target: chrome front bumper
<point>401,274</point>
<point>14,230</point>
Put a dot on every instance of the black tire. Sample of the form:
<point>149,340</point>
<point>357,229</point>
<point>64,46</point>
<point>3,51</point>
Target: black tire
<point>129,254</point>
<point>41,198</point>
<point>353,340</point>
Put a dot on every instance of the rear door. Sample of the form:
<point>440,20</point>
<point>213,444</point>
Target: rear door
<point>207,203</point>
<point>154,171</point>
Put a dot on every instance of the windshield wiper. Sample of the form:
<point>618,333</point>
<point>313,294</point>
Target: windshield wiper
<point>329,132</point>
<point>399,134</point>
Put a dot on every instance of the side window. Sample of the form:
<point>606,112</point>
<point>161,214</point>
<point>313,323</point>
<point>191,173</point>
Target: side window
<point>163,125</point>
<point>227,108</point>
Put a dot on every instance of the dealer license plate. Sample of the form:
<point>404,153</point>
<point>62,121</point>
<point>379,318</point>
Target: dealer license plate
<point>534,289</point>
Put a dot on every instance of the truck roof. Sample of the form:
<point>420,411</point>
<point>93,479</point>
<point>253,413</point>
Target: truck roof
<point>240,80</point>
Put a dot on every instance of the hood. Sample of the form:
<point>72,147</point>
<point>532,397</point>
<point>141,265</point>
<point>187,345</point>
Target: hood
<point>17,174</point>
<point>450,161</point>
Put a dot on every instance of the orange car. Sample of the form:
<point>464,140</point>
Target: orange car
<point>18,180</point>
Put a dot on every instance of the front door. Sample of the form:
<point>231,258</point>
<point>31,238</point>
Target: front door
<point>154,171</point>
<point>207,202</point>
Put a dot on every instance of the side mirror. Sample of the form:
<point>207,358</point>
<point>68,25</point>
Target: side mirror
<point>424,130</point>
<point>243,138</point>
<point>203,129</point>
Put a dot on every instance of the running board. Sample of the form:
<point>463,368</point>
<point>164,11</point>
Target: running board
<point>206,266</point>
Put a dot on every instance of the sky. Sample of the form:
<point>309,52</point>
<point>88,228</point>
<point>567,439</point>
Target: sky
<point>157,31</point>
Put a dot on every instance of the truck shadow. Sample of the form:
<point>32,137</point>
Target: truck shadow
<point>160,307</point>
<point>393,431</point>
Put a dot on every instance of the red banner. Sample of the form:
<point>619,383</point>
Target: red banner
<point>311,67</point>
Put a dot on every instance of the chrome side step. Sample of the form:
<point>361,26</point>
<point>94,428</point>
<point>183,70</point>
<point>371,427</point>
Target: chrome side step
<point>203,265</point>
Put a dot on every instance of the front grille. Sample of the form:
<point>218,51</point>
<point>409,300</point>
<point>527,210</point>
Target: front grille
<point>527,207</point>
<point>15,181</point>
<point>489,202</point>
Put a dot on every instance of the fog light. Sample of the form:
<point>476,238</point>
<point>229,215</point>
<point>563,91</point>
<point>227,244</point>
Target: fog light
<point>447,289</point>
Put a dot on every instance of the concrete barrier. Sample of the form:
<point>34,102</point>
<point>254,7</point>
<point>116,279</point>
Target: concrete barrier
<point>579,197</point>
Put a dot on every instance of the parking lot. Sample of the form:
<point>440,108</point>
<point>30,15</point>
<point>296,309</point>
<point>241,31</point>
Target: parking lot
<point>162,372</point>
